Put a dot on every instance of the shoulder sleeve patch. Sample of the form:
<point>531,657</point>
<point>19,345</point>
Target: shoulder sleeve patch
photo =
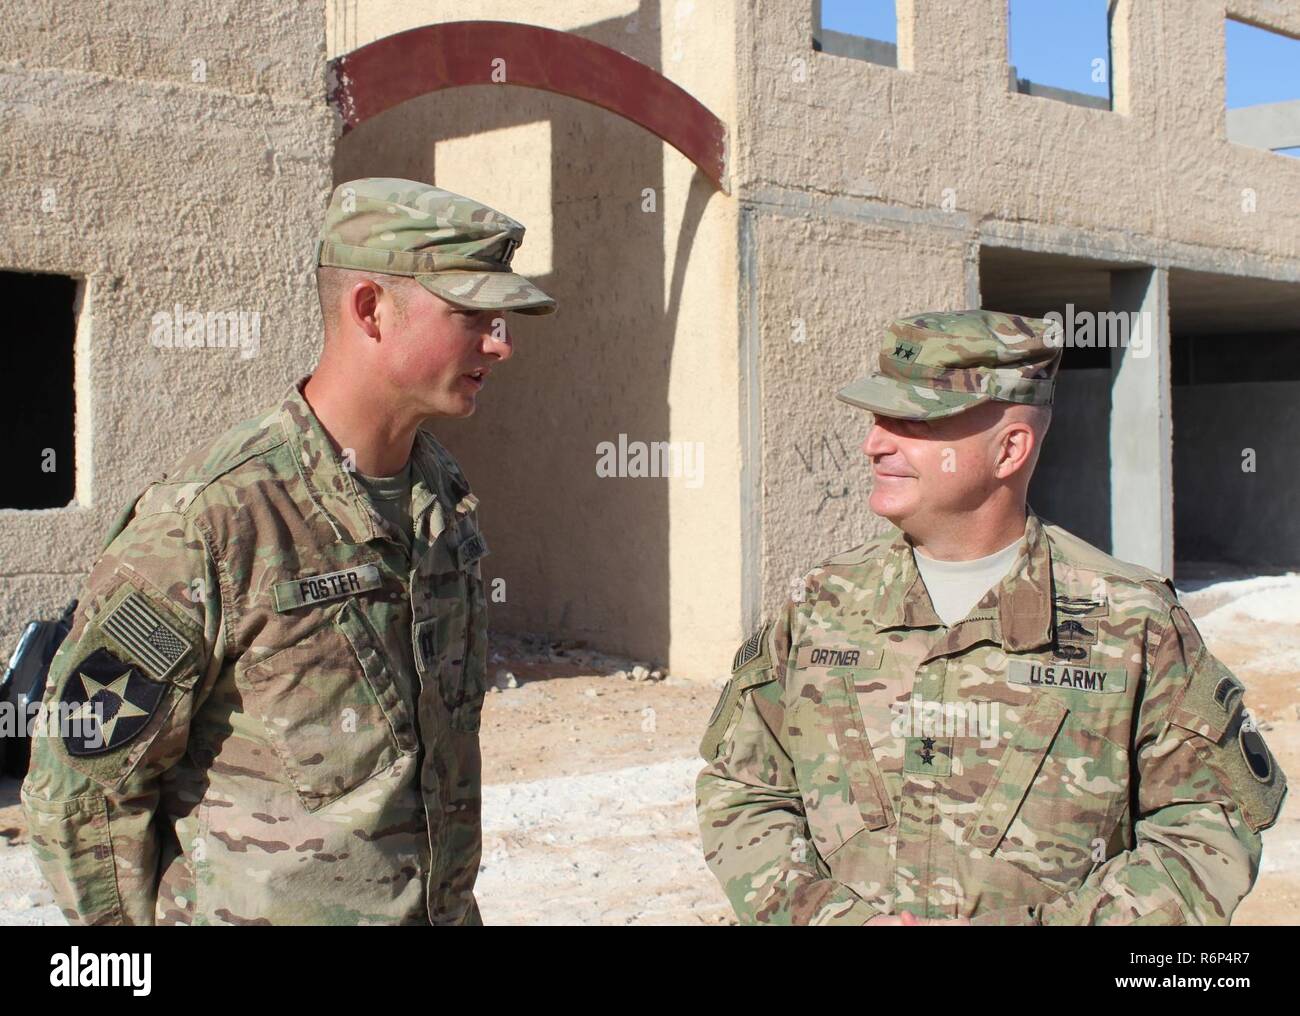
<point>133,660</point>
<point>107,703</point>
<point>751,667</point>
<point>753,653</point>
<point>1211,705</point>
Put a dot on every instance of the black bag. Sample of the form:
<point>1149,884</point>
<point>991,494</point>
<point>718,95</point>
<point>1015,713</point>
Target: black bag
<point>24,682</point>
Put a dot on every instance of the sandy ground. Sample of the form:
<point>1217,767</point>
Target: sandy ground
<point>1253,626</point>
<point>588,804</point>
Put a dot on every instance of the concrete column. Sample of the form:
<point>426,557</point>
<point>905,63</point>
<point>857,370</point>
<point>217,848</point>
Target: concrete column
<point>1141,433</point>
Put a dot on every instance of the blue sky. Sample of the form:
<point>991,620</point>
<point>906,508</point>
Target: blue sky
<point>1054,42</point>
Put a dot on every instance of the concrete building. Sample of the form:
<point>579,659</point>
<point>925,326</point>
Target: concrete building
<point>712,300</point>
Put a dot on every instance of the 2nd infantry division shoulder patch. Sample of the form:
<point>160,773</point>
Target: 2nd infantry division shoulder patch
<point>106,702</point>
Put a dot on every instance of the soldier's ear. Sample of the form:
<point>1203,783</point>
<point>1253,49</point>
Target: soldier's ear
<point>1016,445</point>
<point>362,306</point>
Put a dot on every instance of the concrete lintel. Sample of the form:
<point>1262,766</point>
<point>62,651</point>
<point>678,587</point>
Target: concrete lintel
<point>783,201</point>
<point>1141,431</point>
<point>1116,246</point>
<point>1135,249</point>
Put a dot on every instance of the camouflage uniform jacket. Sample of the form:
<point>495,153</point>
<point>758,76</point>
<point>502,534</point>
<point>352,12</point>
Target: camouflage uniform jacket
<point>1069,753</point>
<point>291,700</point>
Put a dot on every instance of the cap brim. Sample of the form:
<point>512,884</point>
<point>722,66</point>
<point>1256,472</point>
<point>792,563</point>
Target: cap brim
<point>888,397</point>
<point>488,291</point>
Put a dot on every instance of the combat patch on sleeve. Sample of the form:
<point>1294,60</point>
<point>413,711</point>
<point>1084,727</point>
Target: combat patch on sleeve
<point>106,703</point>
<point>726,712</point>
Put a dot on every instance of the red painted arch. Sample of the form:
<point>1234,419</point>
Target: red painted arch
<point>398,67</point>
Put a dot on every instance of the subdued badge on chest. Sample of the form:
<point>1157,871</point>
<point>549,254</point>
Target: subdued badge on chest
<point>424,640</point>
<point>308,590</point>
<point>1063,675</point>
<point>470,549</point>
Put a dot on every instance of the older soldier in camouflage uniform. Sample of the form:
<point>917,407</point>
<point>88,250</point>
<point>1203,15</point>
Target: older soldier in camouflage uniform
<point>1063,751</point>
<point>284,639</point>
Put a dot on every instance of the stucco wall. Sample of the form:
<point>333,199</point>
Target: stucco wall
<point>165,190</point>
<point>644,343</point>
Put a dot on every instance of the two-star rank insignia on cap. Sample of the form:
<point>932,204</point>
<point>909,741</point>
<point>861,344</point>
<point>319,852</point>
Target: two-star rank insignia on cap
<point>107,702</point>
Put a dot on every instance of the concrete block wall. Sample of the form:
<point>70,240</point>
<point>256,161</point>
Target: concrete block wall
<point>157,180</point>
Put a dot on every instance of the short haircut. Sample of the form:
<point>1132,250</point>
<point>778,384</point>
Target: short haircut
<point>332,283</point>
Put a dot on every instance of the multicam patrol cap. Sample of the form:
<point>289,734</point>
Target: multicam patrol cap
<point>453,246</point>
<point>938,364</point>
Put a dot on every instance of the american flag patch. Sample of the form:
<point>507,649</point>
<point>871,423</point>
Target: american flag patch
<point>142,632</point>
<point>751,647</point>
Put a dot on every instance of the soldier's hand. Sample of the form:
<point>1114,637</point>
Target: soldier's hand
<point>893,920</point>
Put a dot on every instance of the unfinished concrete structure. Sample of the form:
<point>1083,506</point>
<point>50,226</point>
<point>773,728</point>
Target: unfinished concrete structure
<point>715,312</point>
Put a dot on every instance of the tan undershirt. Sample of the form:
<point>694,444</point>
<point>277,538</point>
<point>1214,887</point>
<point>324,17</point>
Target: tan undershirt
<point>956,586</point>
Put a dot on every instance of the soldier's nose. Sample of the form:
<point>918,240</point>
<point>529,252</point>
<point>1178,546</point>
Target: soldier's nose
<point>497,341</point>
<point>878,442</point>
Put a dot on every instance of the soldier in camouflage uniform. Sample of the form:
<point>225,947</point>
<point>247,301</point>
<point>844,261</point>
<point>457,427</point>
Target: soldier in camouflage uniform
<point>282,678</point>
<point>1068,752</point>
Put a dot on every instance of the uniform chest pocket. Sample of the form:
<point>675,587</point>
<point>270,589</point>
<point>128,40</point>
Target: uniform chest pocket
<point>1054,800</point>
<point>451,646</point>
<point>330,708</point>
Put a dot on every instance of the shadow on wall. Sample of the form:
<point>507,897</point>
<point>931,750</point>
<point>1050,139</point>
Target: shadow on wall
<point>581,557</point>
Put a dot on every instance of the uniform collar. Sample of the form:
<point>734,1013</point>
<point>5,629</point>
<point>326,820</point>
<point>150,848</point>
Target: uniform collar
<point>334,489</point>
<point>1017,612</point>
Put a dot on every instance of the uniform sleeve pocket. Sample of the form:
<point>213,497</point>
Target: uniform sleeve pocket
<point>727,709</point>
